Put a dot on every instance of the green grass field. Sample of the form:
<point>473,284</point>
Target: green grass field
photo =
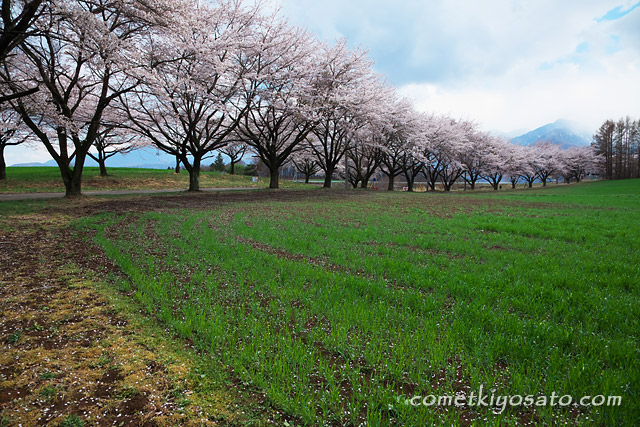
<point>339,308</point>
<point>47,179</point>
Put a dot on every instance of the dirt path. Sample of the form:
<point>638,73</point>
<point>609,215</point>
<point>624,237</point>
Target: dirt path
<point>74,352</point>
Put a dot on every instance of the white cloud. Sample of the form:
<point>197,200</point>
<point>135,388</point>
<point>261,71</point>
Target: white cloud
<point>589,87</point>
<point>507,64</point>
<point>586,99</point>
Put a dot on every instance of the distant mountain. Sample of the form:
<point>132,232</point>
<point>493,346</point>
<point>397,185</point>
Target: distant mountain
<point>35,164</point>
<point>562,132</point>
<point>147,157</point>
<point>508,135</point>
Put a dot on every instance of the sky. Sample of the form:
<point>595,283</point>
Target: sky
<point>511,66</point>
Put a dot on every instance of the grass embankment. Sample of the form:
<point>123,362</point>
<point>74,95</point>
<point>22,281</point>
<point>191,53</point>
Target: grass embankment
<point>47,179</point>
<point>337,306</point>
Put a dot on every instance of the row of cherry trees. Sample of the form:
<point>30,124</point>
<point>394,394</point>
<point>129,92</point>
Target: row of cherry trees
<point>192,78</point>
<point>445,151</point>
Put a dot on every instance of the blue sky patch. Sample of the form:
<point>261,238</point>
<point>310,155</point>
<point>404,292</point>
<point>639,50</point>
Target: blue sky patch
<point>617,13</point>
<point>582,47</point>
<point>614,45</point>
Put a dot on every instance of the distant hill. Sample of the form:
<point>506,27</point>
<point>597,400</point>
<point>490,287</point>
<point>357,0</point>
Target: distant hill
<point>562,132</point>
<point>147,157</point>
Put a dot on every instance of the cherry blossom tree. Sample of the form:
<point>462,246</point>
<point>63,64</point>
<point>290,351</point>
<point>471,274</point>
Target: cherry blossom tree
<point>305,163</point>
<point>80,58</point>
<point>278,94</point>
<point>393,159</point>
<point>514,162</point>
<point>235,151</point>
<point>430,169</point>
<point>495,160</point>
<point>365,156</point>
<point>346,92</point>
<point>447,141</point>
<point>416,149</point>
<point>398,138</point>
<point>436,131</point>
<point>412,168</point>
<point>529,165</point>
<point>367,144</point>
<point>548,160</point>
<point>475,157</point>
<point>112,139</point>
<point>580,161</point>
<point>190,102</point>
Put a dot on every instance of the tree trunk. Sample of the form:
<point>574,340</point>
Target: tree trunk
<point>530,184</point>
<point>177,164</point>
<point>495,182</point>
<point>364,183</point>
<point>72,187</point>
<point>194,176</point>
<point>391,183</point>
<point>410,179</point>
<point>306,178</point>
<point>72,178</point>
<point>544,182</point>
<point>3,165</point>
<point>327,179</point>
<point>431,180</point>
<point>103,166</point>
<point>274,177</point>
<point>513,185</point>
<point>410,185</point>
<point>232,171</point>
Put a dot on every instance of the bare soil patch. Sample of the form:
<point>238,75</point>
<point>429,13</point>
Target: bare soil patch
<point>66,349</point>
